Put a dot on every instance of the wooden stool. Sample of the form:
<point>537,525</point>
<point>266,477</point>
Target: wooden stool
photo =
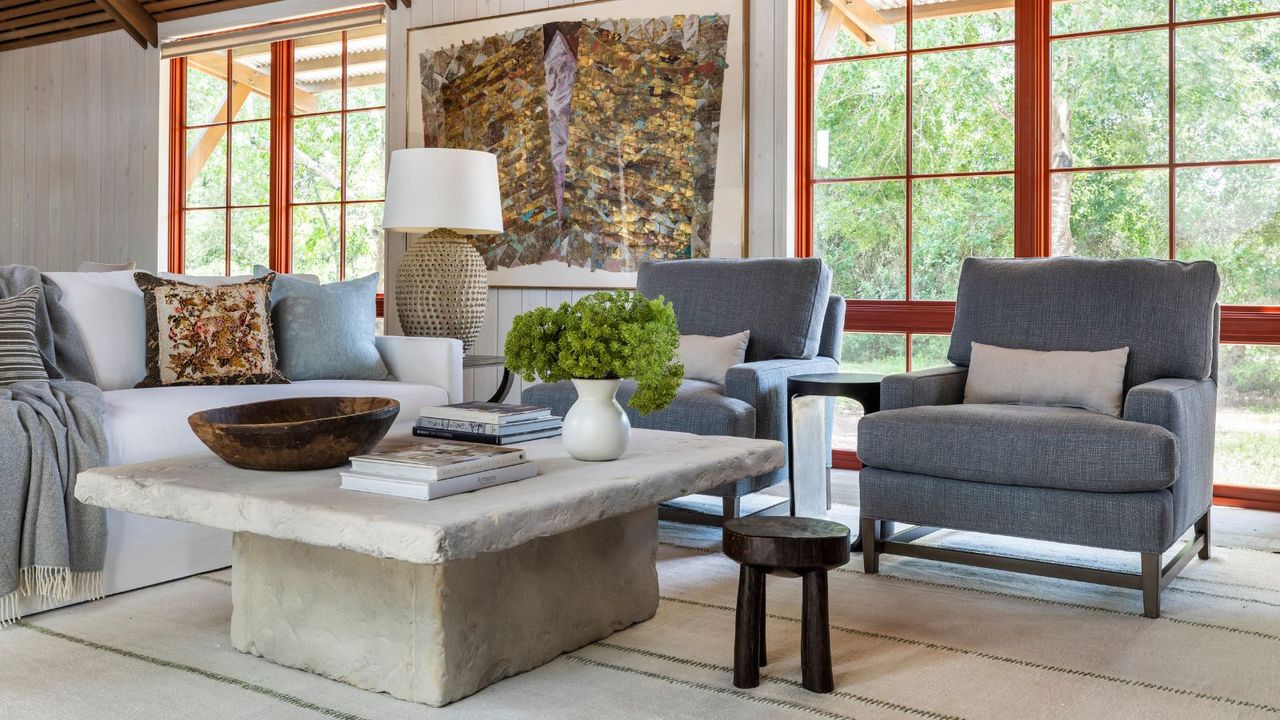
<point>786,546</point>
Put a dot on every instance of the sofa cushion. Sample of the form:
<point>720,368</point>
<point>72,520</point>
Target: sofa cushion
<point>1050,447</point>
<point>326,331</point>
<point>700,408</point>
<point>784,308</point>
<point>1163,311</point>
<point>151,423</point>
<point>107,310</point>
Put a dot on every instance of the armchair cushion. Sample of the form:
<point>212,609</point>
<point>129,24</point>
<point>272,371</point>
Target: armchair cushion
<point>1030,446</point>
<point>935,386</point>
<point>700,408</point>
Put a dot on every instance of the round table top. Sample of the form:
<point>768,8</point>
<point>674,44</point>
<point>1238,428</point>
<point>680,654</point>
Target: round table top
<point>839,378</point>
<point>786,543</point>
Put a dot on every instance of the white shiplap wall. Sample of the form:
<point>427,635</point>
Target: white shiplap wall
<point>770,160</point>
<point>78,153</point>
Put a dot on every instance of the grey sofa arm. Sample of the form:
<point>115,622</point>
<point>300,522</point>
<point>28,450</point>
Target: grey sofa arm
<point>1186,408</point>
<point>935,386</point>
<point>763,385</point>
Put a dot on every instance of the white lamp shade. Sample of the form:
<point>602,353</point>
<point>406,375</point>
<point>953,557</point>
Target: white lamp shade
<point>433,188</point>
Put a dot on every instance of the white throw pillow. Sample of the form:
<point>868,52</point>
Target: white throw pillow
<point>708,358</point>
<point>1060,378</point>
<point>107,310</point>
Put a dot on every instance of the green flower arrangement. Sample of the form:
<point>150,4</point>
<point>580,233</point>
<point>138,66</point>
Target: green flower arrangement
<point>603,336</point>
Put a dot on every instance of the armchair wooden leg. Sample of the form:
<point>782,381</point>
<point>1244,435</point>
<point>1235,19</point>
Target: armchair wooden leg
<point>870,545</point>
<point>1151,584</point>
<point>1202,528</point>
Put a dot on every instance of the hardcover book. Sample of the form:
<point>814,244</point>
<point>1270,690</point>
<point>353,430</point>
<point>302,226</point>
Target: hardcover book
<point>486,428</point>
<point>435,459</point>
<point>487,439</point>
<point>486,412</point>
<point>384,485</point>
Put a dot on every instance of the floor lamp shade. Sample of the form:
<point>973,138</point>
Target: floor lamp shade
<point>441,195</point>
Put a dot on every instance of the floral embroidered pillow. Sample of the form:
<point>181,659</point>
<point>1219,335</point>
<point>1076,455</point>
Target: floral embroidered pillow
<point>198,335</point>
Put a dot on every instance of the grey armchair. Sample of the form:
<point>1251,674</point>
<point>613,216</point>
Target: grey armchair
<point>1133,483</point>
<point>795,329</point>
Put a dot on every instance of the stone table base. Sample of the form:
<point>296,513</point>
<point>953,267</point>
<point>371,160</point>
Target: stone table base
<point>438,633</point>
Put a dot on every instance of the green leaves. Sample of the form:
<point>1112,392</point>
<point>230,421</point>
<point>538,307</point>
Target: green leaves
<point>603,336</point>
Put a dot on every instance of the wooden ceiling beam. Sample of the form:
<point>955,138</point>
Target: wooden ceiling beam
<point>357,81</point>
<point>191,9</point>
<point>134,19</point>
<point>39,9</point>
<point>867,25</point>
<point>255,81</point>
<point>54,28</point>
<point>59,35</point>
<point>947,8</point>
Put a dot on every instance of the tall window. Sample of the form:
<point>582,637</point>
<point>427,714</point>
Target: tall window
<point>1147,128</point>
<point>282,156</point>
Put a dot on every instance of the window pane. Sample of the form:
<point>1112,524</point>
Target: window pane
<point>1248,440</point>
<point>1086,15</point>
<point>364,241</point>
<point>1229,91</point>
<point>1111,214</point>
<point>317,159</point>
<point>935,25</point>
<point>835,34</point>
<point>869,353</point>
<point>315,240</point>
<point>859,228</point>
<point>952,219</point>
<point>251,75</point>
<point>205,247</point>
<point>963,110</point>
<point>251,163</point>
<point>1199,9</point>
<point>860,118</point>
<point>250,233</point>
<point>929,351</point>
<point>366,147</point>
<point>206,88</point>
<point>366,70</point>
<point>317,73</point>
<point>1231,215</point>
<point>207,166</point>
<point>1110,95</point>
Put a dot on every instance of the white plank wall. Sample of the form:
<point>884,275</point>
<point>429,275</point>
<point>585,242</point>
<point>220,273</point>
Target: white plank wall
<point>78,153</point>
<point>770,161</point>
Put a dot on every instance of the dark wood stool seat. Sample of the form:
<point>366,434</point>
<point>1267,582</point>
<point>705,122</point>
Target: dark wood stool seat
<point>789,547</point>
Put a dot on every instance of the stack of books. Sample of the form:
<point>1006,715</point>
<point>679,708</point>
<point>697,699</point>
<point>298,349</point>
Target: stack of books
<point>488,423</point>
<point>428,468</point>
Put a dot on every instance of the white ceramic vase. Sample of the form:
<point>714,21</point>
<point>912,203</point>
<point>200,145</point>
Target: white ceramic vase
<point>596,428</point>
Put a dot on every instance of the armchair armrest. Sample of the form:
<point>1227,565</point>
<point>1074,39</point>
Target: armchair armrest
<point>424,361</point>
<point>935,386</point>
<point>763,385</point>
<point>1186,408</point>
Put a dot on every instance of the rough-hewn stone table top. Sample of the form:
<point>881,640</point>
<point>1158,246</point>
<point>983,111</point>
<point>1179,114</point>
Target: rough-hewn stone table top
<point>309,507</point>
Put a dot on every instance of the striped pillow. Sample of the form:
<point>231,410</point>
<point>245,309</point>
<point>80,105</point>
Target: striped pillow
<point>19,355</point>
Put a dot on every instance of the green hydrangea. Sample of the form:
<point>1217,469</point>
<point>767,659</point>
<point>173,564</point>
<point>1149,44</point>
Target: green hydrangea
<point>603,336</point>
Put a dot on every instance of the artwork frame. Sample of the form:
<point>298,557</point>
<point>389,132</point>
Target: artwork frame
<point>723,208</point>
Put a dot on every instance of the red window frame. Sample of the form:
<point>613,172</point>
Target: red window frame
<point>281,118</point>
<point>1248,324</point>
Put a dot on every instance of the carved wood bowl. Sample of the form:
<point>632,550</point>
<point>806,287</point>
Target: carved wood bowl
<point>305,433</point>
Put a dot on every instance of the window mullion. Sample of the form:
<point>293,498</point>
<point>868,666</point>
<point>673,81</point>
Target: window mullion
<point>280,248</point>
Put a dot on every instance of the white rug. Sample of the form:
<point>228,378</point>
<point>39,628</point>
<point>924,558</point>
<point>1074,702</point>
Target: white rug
<point>922,640</point>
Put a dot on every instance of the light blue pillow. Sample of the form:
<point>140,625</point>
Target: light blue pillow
<point>325,332</point>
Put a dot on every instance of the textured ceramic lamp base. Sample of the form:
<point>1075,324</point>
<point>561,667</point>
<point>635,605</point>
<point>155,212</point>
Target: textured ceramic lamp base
<point>441,288</point>
<point>438,633</point>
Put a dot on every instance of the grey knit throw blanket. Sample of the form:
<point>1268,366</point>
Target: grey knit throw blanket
<point>51,545</point>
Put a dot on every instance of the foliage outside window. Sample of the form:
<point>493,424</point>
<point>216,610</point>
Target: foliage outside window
<point>327,220</point>
<point>1163,140</point>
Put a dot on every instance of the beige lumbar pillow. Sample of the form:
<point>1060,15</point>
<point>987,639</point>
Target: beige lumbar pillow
<point>706,357</point>
<point>1061,378</point>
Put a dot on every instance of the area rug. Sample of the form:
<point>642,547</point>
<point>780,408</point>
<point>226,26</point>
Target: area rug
<point>921,640</point>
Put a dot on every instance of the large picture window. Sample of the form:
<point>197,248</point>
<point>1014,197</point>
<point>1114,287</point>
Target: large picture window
<point>282,156</point>
<point>933,130</point>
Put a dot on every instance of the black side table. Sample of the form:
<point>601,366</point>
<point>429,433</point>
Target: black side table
<point>476,361</point>
<point>862,388</point>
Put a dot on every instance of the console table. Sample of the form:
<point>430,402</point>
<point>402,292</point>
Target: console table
<point>478,361</point>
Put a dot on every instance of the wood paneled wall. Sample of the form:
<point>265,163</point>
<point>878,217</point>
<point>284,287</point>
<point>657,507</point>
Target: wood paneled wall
<point>78,153</point>
<point>770,161</point>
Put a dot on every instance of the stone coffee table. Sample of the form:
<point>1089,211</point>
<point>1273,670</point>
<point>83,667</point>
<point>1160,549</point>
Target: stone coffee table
<point>432,601</point>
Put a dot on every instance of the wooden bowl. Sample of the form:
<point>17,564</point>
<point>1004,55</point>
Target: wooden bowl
<point>305,433</point>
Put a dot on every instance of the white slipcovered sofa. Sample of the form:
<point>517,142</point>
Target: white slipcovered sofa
<point>151,423</point>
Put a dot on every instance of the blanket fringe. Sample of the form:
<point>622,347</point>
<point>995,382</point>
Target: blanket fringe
<point>53,585</point>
